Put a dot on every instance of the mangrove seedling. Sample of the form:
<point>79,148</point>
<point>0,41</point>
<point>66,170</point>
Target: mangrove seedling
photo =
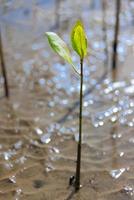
<point>79,44</point>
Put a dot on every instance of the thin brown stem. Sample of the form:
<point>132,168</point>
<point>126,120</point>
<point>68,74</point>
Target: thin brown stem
<point>78,164</point>
<point>3,68</point>
<point>116,36</point>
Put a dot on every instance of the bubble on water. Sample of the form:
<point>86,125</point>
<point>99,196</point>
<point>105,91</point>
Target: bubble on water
<point>113,119</point>
<point>107,114</point>
<point>38,131</point>
<point>53,127</point>
<point>55,150</point>
<point>130,124</point>
<point>116,173</point>
<point>131,104</point>
<point>64,102</point>
<point>78,87</point>
<point>108,90</point>
<point>96,45</point>
<point>115,110</point>
<point>120,84</point>
<point>52,114</point>
<point>85,104</point>
<point>129,90</point>
<point>117,92</point>
<point>7,155</point>
<point>122,120</point>
<point>132,79</point>
<point>96,125</point>
<point>45,138</point>
<point>128,112</point>
<point>121,50</point>
<point>100,116</point>
<point>18,193</point>
<point>18,145</point>
<point>42,82</point>
<point>129,190</point>
<point>51,104</point>
<point>101,123</point>
<point>106,81</point>
<point>113,87</point>
<point>117,136</point>
<point>98,120</point>
<point>121,154</point>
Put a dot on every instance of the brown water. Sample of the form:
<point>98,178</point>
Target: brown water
<point>38,143</point>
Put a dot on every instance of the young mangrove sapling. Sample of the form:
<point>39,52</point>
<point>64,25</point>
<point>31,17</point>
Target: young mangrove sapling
<point>79,44</point>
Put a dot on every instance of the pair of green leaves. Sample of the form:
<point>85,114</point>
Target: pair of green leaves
<point>78,40</point>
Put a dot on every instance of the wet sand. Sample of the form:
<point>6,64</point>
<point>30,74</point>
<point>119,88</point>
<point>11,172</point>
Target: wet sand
<point>38,148</point>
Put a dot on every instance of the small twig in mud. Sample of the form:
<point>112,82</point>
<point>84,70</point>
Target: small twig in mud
<point>3,68</point>
<point>116,37</point>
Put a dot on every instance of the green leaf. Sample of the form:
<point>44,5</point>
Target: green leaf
<point>60,47</point>
<point>79,40</point>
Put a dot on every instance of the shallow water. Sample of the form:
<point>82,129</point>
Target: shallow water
<point>39,124</point>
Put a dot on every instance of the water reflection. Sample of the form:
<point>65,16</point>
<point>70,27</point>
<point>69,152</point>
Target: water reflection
<point>117,173</point>
<point>39,129</point>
